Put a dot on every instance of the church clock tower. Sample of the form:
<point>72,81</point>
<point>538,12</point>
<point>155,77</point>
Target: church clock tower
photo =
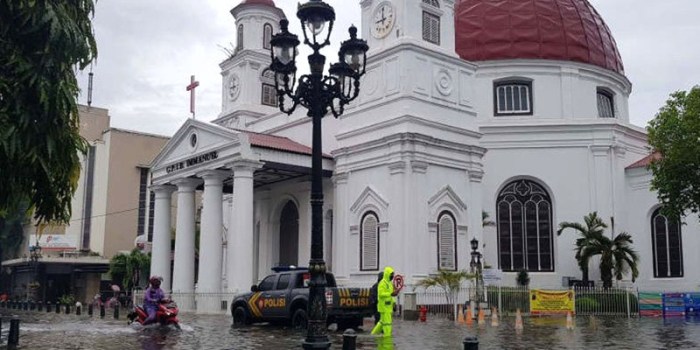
<point>247,89</point>
<point>386,23</point>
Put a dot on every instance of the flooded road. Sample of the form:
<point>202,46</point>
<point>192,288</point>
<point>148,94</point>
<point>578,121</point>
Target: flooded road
<point>53,331</point>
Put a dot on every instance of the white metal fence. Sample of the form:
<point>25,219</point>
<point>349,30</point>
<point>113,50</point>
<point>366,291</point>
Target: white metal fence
<point>619,302</point>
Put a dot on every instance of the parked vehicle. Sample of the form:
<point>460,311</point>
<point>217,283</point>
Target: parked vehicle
<point>283,296</point>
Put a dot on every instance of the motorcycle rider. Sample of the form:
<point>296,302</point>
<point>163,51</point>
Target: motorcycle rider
<point>154,295</point>
<point>385,302</point>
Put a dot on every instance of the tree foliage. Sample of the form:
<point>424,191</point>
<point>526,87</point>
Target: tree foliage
<point>12,231</point>
<point>589,232</point>
<point>42,42</point>
<point>617,257</point>
<point>674,135</point>
<point>448,281</point>
<point>127,269</point>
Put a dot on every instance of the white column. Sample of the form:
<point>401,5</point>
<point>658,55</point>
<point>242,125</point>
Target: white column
<point>210,243</point>
<point>239,271</point>
<point>183,275</point>
<point>160,254</point>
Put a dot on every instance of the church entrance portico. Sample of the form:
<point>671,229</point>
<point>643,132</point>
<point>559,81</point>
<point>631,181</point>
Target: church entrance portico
<point>217,162</point>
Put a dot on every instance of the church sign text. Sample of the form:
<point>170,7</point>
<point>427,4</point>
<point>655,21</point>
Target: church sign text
<point>202,158</point>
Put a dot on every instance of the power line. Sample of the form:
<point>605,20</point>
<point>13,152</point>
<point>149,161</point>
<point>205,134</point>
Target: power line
<point>112,213</point>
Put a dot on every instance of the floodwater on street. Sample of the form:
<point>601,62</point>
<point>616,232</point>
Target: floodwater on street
<point>49,331</point>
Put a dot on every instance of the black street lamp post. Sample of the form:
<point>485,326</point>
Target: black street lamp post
<point>319,94</point>
<point>476,267</point>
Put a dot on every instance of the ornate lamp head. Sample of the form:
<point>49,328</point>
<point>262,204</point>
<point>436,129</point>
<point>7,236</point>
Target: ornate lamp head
<point>353,52</point>
<point>474,243</point>
<point>317,19</point>
<point>283,51</point>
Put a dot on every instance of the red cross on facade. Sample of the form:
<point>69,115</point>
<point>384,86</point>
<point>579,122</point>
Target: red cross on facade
<point>190,88</point>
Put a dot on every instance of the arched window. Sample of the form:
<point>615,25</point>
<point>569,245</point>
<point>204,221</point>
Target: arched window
<point>512,97</point>
<point>606,107</point>
<point>524,212</point>
<point>434,3</point>
<point>447,242</point>
<point>667,246</point>
<point>239,43</point>
<point>369,242</point>
<point>267,35</point>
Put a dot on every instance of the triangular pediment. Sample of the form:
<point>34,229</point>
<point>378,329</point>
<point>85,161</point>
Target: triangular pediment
<point>447,195</point>
<point>369,197</point>
<point>196,137</point>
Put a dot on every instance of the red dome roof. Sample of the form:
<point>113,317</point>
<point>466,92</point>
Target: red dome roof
<point>568,30</point>
<point>260,2</point>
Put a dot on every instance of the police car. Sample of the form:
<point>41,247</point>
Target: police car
<point>283,296</point>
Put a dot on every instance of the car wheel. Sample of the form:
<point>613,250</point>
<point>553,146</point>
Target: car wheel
<point>299,319</point>
<point>240,317</point>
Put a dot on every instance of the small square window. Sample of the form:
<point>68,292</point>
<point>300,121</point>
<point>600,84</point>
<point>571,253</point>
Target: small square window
<point>269,95</point>
<point>513,98</point>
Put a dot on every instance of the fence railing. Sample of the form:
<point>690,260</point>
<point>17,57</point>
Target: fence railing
<point>619,302</point>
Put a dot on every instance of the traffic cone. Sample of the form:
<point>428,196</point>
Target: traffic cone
<point>569,321</point>
<point>460,315</point>
<point>482,320</point>
<point>518,321</point>
<point>469,317</point>
<point>494,318</point>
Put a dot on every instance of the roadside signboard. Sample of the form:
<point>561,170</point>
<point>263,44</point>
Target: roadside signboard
<point>650,304</point>
<point>673,304</point>
<point>551,302</point>
<point>692,304</point>
<point>492,276</point>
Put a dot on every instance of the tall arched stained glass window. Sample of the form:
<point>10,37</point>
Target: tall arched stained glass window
<point>667,246</point>
<point>525,237</point>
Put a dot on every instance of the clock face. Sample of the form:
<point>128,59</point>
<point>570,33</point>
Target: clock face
<point>383,20</point>
<point>234,87</point>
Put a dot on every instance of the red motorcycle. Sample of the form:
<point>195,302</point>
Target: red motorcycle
<point>165,316</point>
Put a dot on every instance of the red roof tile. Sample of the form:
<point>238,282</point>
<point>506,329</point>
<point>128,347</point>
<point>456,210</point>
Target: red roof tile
<point>279,143</point>
<point>646,161</point>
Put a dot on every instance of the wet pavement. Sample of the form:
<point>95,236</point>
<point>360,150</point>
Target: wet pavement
<point>53,331</point>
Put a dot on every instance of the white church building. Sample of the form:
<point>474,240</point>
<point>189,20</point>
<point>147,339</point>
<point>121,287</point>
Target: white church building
<point>514,108</point>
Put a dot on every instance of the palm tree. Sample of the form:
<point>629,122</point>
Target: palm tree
<point>617,257</point>
<point>128,268</point>
<point>448,281</point>
<point>589,232</point>
<point>485,219</point>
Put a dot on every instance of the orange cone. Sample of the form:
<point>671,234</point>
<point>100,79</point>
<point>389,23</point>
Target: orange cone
<point>518,321</point>
<point>469,317</point>
<point>569,321</point>
<point>460,315</point>
<point>482,320</point>
<point>494,318</point>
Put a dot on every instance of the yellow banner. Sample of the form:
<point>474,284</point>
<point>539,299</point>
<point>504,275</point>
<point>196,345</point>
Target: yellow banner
<point>545,302</point>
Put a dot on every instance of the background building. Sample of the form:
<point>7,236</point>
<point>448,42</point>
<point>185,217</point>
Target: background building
<point>110,209</point>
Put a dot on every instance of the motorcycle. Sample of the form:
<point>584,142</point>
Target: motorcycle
<point>165,316</point>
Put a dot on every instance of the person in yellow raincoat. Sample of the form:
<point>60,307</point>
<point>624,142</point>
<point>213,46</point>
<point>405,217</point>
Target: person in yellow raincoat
<point>385,303</point>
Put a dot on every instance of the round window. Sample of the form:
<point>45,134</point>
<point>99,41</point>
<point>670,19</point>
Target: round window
<point>193,140</point>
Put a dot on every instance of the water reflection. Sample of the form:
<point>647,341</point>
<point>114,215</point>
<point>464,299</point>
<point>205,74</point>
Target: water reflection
<point>51,331</point>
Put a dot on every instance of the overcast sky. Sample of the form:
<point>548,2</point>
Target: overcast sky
<point>149,48</point>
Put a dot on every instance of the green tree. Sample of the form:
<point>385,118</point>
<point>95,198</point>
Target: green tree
<point>486,220</point>
<point>12,232</point>
<point>42,42</point>
<point>617,257</point>
<point>448,281</point>
<point>127,269</point>
<point>674,135</point>
<point>589,232</point>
